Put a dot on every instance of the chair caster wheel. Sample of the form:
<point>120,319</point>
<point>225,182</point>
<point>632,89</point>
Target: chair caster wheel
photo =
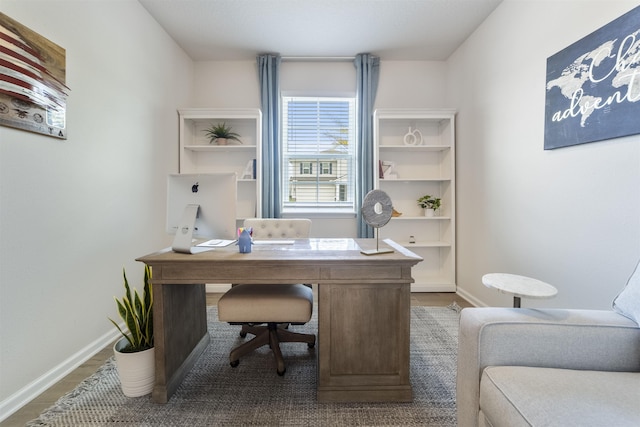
<point>311,345</point>
<point>243,334</point>
<point>281,373</point>
<point>235,363</point>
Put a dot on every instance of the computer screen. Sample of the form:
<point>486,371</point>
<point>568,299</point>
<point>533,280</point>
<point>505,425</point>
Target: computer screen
<point>201,206</point>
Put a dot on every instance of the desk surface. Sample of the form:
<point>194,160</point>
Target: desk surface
<point>301,249</point>
<point>306,260</point>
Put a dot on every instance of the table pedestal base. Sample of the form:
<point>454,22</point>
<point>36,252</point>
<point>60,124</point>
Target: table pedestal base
<point>363,334</point>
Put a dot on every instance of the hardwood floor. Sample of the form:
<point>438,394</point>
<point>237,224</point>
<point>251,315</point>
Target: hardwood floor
<point>34,408</point>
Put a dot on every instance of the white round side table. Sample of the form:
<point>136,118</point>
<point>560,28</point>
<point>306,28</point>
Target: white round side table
<point>519,286</point>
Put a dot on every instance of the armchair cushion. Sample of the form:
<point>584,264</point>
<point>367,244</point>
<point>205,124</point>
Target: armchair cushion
<point>513,396</point>
<point>627,302</point>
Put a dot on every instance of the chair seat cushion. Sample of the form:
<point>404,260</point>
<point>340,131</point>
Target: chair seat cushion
<point>266,303</point>
<point>513,396</point>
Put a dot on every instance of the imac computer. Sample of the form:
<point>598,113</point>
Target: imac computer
<point>201,206</point>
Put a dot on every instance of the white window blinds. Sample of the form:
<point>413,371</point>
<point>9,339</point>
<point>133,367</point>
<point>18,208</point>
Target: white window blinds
<point>318,137</point>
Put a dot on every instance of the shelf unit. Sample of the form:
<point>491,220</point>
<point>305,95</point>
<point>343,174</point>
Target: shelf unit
<point>198,155</point>
<point>423,165</point>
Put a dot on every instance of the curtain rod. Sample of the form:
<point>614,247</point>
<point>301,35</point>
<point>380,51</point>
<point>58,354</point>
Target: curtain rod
<point>317,58</point>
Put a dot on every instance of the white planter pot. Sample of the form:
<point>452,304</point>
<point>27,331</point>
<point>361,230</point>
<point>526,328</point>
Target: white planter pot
<point>429,212</point>
<point>137,371</point>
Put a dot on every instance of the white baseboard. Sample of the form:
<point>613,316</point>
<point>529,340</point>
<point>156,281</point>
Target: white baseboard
<point>473,300</point>
<point>32,390</point>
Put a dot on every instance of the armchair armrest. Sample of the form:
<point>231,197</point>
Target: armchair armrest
<point>569,339</point>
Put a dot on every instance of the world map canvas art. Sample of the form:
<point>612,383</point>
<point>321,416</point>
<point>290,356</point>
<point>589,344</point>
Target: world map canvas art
<point>593,86</point>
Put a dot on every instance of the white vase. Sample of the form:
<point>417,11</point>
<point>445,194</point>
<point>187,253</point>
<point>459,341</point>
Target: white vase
<point>137,371</point>
<point>429,212</point>
<point>221,141</point>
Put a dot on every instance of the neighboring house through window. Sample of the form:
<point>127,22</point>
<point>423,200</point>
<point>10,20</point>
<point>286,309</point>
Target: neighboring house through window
<point>318,161</point>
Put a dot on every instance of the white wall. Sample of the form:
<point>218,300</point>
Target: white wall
<point>403,84</point>
<point>75,212</point>
<point>569,216</point>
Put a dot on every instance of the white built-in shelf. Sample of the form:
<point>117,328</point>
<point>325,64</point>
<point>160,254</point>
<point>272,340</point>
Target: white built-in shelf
<point>414,147</point>
<point>426,167</point>
<point>420,218</point>
<point>214,148</point>
<point>399,180</point>
<point>199,155</point>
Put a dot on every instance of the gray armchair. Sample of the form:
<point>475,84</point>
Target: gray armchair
<point>526,367</point>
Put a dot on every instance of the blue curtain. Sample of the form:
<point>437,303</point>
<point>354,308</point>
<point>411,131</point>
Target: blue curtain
<point>367,74</point>
<point>269,76</point>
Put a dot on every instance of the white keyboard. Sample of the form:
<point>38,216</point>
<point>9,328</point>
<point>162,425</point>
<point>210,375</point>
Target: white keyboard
<point>273,242</point>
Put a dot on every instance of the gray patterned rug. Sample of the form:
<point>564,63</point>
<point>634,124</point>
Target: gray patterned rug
<point>214,394</point>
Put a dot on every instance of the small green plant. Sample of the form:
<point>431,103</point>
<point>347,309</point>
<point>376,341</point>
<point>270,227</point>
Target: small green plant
<point>137,314</point>
<point>429,202</point>
<point>221,131</point>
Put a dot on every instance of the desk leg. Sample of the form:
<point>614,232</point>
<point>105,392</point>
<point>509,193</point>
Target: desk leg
<point>363,335</point>
<point>180,334</point>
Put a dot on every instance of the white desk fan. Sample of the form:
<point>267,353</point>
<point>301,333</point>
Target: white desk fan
<point>376,211</point>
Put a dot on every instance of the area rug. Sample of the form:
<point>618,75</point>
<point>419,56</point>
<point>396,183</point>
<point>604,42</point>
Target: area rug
<point>214,394</point>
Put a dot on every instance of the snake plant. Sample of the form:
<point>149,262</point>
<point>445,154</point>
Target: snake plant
<point>137,314</point>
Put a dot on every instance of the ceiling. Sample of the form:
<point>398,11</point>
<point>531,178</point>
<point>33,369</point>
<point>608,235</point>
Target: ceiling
<point>210,30</point>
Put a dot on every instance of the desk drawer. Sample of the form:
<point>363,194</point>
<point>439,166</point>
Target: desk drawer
<point>378,273</point>
<point>203,273</point>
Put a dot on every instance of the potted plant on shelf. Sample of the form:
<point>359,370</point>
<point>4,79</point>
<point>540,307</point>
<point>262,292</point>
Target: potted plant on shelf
<point>134,352</point>
<point>430,204</point>
<point>221,134</point>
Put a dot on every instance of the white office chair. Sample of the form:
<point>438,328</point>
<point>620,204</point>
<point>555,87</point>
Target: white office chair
<point>273,304</point>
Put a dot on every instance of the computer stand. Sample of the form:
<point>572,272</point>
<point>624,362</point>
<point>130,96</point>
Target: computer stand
<point>183,240</point>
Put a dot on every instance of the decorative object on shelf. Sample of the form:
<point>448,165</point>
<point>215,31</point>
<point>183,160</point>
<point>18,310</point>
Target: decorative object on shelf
<point>413,137</point>
<point>134,352</point>
<point>395,213</point>
<point>221,134</point>
<point>387,169</point>
<point>250,170</point>
<point>376,211</point>
<point>430,204</point>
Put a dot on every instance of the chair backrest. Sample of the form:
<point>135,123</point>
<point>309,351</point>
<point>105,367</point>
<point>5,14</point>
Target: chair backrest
<point>279,228</point>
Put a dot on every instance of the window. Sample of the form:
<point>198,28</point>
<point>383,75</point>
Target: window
<point>306,168</point>
<point>326,168</point>
<point>318,155</point>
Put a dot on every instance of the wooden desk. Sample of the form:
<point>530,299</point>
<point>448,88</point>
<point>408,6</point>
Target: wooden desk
<point>364,311</point>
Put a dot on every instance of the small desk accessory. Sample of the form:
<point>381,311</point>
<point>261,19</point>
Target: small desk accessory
<point>376,211</point>
<point>244,242</point>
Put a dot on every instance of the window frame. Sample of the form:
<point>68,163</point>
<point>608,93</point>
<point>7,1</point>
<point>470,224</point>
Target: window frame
<point>317,163</point>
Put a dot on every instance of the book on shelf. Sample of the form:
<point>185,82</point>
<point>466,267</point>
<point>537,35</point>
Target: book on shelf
<point>250,170</point>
